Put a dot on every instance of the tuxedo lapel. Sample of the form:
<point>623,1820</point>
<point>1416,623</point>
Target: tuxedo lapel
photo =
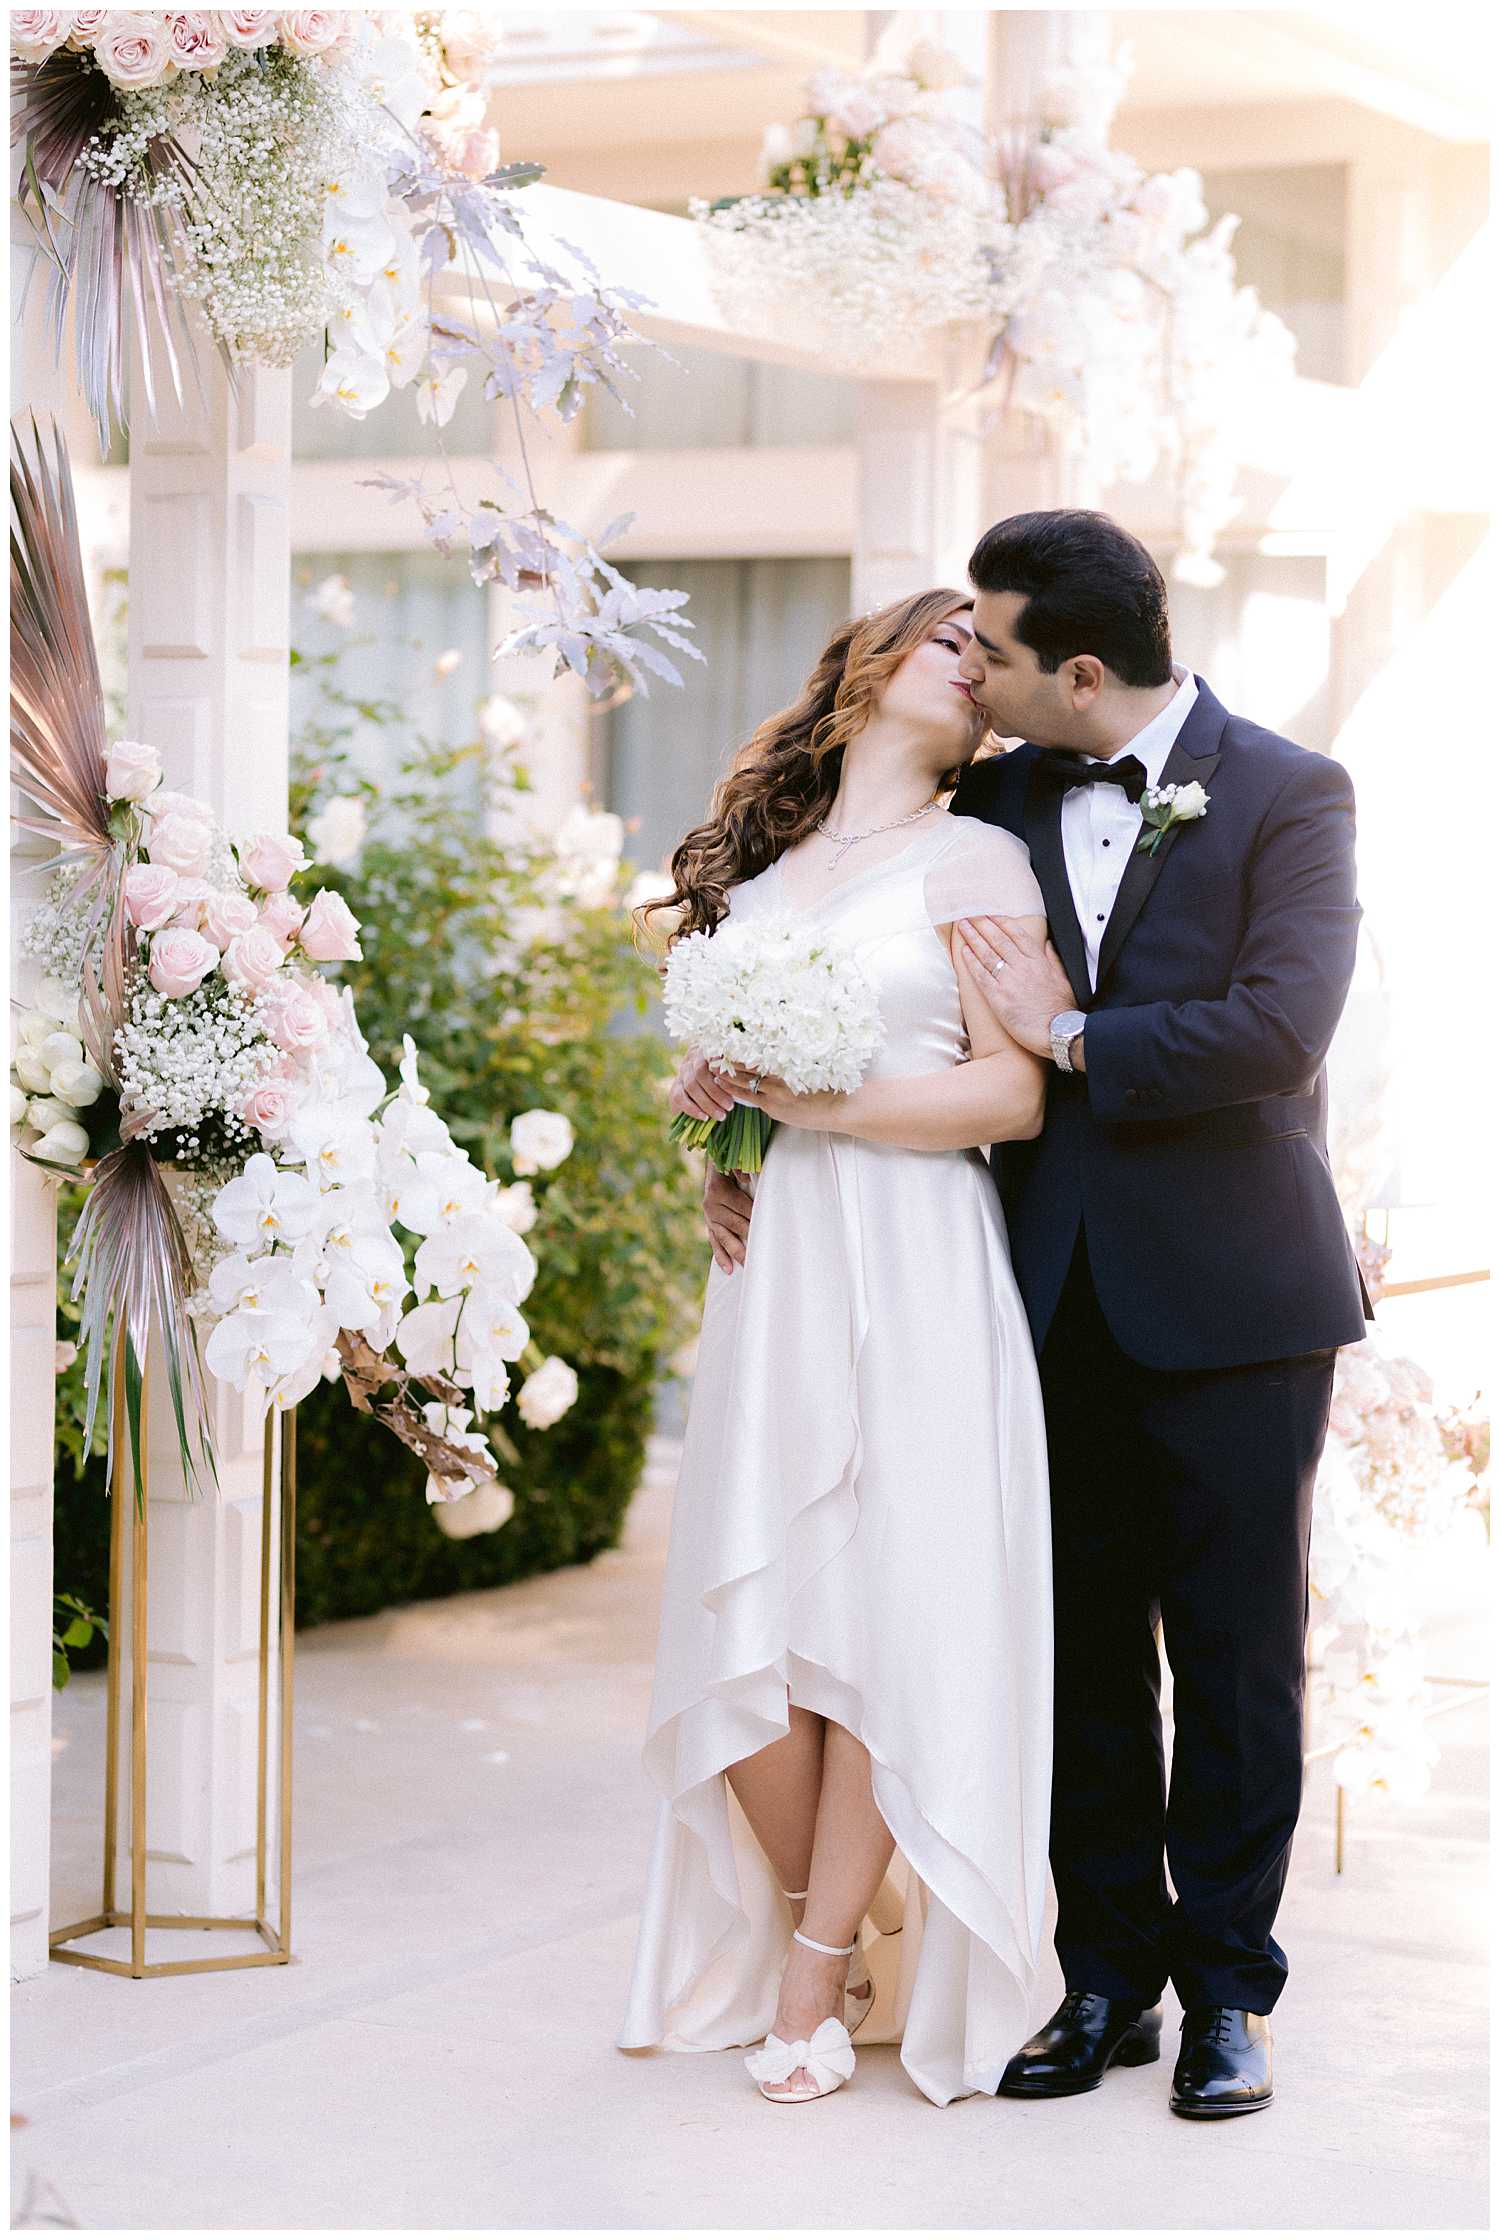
<point>1195,754</point>
<point>1043,821</point>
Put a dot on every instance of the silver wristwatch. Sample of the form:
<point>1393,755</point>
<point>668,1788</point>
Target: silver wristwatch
<point>1062,1031</point>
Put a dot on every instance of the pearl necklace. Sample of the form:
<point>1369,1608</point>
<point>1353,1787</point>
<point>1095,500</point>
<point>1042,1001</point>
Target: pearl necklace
<point>844,841</point>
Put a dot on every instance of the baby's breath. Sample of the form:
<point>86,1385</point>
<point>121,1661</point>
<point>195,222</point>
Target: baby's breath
<point>188,1063</point>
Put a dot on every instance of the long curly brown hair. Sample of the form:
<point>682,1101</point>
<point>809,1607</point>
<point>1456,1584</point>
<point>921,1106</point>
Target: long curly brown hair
<point>786,775</point>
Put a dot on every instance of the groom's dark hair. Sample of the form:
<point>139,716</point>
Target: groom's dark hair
<point>1089,587</point>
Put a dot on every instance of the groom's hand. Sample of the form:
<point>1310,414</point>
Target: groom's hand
<point>727,1207</point>
<point>1021,978</point>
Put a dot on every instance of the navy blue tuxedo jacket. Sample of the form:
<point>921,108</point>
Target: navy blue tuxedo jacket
<point>1193,1151</point>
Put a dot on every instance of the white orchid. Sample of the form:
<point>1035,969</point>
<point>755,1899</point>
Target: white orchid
<point>473,1250</point>
<point>333,1144</point>
<point>266,1204</point>
<point>424,1337</point>
<point>451,1423</point>
<point>256,1346</point>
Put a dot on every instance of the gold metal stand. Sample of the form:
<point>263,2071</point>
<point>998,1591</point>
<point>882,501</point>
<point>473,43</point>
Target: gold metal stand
<point>276,1940</point>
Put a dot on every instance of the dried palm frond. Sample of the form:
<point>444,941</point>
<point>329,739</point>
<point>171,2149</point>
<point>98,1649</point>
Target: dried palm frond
<point>366,1373</point>
<point>112,252</point>
<point>57,722</point>
<point>135,1270</point>
<point>134,1265</point>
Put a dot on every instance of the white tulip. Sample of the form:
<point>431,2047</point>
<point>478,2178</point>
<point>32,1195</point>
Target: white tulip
<point>34,1026</point>
<point>62,1146</point>
<point>43,1113</point>
<point>20,1109</point>
<point>77,1083</point>
<point>57,1001</point>
<point>59,1049</point>
<point>30,1071</point>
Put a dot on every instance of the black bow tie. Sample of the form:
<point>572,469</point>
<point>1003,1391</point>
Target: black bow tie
<point>1059,767</point>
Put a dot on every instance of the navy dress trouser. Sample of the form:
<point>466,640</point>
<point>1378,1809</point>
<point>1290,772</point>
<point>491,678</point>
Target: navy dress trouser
<point>1184,1496</point>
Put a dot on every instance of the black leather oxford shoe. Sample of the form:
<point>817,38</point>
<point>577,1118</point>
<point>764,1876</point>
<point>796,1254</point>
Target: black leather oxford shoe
<point>1085,2037</point>
<point>1224,2068</point>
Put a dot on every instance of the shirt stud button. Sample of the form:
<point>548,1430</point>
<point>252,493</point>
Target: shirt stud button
<point>1099,914</point>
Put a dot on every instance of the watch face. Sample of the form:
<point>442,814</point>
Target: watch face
<point>1067,1024</point>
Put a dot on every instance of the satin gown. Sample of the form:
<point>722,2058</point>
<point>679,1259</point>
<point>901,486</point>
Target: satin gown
<point>861,1527</point>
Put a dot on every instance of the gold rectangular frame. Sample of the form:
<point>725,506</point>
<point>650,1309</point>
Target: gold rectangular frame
<point>276,1939</point>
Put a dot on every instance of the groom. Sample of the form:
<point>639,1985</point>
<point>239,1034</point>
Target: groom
<point>1186,1271</point>
<point>1187,1274</point>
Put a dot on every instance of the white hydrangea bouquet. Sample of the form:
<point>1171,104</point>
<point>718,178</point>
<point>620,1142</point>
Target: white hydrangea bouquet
<point>772,997</point>
<point>183,1027</point>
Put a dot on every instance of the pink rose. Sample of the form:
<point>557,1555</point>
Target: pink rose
<point>225,915</point>
<point>181,961</point>
<point>282,914</point>
<point>132,50</point>
<point>479,155</point>
<point>37,32</point>
<point>150,895</point>
<point>249,27</point>
<point>330,930</point>
<point>308,31</point>
<point>196,40</point>
<point>272,860</point>
<point>268,1107</point>
<point>131,770</point>
<point>86,22</point>
<point>252,959</point>
<point>297,1019</point>
<point>191,896</point>
<point>325,993</point>
<point>181,843</point>
<point>171,804</point>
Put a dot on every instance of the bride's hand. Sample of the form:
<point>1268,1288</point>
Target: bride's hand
<point>819,1109</point>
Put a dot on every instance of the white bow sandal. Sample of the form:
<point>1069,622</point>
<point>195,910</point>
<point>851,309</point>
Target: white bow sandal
<point>827,2056</point>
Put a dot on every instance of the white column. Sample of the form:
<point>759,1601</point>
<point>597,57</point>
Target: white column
<point>209,591</point>
<point>33,1276</point>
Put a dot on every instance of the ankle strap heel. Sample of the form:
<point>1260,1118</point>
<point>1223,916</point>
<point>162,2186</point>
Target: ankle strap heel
<point>834,1951</point>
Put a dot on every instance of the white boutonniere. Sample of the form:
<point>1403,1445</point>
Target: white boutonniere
<point>1162,807</point>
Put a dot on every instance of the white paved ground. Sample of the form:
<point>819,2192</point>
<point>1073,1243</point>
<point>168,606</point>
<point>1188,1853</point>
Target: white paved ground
<point>471,1838</point>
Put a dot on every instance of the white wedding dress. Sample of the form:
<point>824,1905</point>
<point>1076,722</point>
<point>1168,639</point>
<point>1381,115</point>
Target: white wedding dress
<point>861,1525</point>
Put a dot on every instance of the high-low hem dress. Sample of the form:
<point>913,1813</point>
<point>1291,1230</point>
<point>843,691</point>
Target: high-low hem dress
<point>861,1527</point>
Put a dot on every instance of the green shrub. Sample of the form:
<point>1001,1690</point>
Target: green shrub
<point>519,993</point>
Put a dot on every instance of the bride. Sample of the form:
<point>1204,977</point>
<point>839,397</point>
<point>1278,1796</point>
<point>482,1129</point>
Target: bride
<point>851,1720</point>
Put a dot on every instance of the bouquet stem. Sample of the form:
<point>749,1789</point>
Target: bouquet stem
<point>736,1145</point>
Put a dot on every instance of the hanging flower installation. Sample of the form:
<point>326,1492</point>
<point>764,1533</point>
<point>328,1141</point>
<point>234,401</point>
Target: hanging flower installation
<point>1397,1473</point>
<point>184,1025</point>
<point>330,172</point>
<point>1117,321</point>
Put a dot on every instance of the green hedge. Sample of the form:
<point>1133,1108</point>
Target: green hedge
<point>518,995</point>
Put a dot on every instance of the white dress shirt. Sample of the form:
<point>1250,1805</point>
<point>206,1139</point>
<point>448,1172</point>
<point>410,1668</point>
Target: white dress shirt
<point>1101,824</point>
